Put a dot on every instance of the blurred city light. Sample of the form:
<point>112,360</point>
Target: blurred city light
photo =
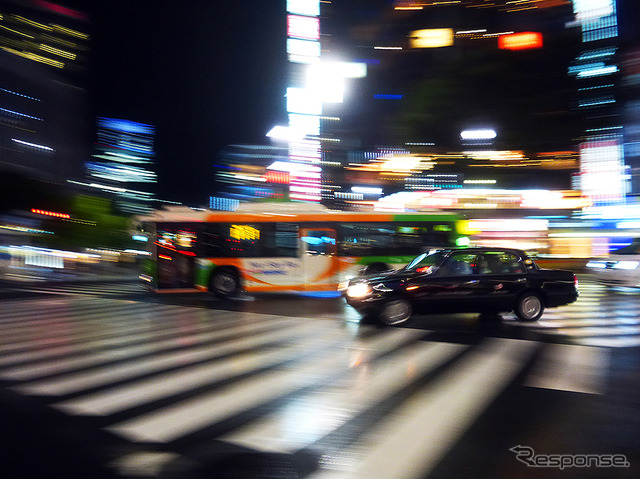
<point>50,213</point>
<point>431,38</point>
<point>303,51</point>
<point>520,41</point>
<point>303,100</point>
<point>303,27</point>
<point>589,10</point>
<point>485,134</point>
<point>286,133</point>
<point>309,8</point>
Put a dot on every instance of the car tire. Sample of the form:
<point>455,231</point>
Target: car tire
<point>395,311</point>
<point>224,283</point>
<point>529,306</point>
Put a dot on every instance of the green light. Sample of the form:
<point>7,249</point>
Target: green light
<point>463,241</point>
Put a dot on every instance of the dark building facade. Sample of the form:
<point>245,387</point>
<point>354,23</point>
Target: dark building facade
<point>45,110</point>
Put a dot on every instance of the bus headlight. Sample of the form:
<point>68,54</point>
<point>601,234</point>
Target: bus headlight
<point>358,290</point>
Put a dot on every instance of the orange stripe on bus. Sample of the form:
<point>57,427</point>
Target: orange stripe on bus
<point>335,267</point>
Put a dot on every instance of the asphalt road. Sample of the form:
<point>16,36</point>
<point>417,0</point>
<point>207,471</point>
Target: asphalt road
<point>102,379</point>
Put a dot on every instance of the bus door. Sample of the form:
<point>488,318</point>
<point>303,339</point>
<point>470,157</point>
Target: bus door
<point>174,248</point>
<point>319,259</point>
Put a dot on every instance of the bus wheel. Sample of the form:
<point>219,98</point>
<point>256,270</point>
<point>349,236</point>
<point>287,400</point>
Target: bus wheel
<point>224,283</point>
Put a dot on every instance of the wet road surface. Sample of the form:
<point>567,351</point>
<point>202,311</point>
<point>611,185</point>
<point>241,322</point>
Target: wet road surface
<point>104,380</point>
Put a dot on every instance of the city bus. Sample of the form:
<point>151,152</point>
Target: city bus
<point>291,247</point>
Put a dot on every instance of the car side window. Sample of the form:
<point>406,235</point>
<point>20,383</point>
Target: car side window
<point>459,265</point>
<point>499,262</point>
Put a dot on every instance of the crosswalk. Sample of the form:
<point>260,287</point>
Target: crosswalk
<point>162,380</point>
<point>87,288</point>
<point>600,317</point>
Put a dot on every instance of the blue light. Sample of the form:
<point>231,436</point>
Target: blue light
<point>368,61</point>
<point>381,96</point>
<point>16,113</point>
<point>322,294</point>
<point>126,126</point>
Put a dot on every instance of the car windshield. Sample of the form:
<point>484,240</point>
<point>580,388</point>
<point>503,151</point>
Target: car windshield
<point>425,260</point>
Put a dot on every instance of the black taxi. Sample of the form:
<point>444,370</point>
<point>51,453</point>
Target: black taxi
<point>484,280</point>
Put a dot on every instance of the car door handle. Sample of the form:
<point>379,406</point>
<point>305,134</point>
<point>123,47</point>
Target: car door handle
<point>473,281</point>
<point>521,280</point>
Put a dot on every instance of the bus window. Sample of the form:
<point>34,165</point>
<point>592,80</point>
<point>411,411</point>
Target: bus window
<point>319,241</point>
<point>379,239</point>
<point>280,240</point>
<point>225,240</point>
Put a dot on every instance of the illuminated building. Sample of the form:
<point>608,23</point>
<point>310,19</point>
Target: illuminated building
<point>631,80</point>
<point>252,172</point>
<point>44,109</point>
<point>603,176</point>
<point>304,107</point>
<point>630,71</point>
<point>122,164</point>
<point>436,69</point>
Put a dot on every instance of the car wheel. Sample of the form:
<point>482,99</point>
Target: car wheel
<point>529,307</point>
<point>224,283</point>
<point>395,311</point>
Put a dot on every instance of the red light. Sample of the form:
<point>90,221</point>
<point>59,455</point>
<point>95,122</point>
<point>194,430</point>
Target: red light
<point>62,10</point>
<point>520,41</point>
<point>50,213</point>
<point>281,177</point>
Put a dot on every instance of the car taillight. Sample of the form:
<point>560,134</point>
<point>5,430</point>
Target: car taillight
<point>575,281</point>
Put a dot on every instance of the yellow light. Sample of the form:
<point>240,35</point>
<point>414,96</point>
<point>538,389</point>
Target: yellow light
<point>57,51</point>
<point>16,32</point>
<point>66,43</point>
<point>244,232</point>
<point>34,57</point>
<point>431,38</point>
<point>32,23</point>
<point>70,32</point>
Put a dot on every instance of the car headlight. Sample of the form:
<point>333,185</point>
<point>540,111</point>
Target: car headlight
<point>626,265</point>
<point>596,264</point>
<point>358,290</point>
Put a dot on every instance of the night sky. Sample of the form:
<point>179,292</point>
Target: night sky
<point>206,73</point>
